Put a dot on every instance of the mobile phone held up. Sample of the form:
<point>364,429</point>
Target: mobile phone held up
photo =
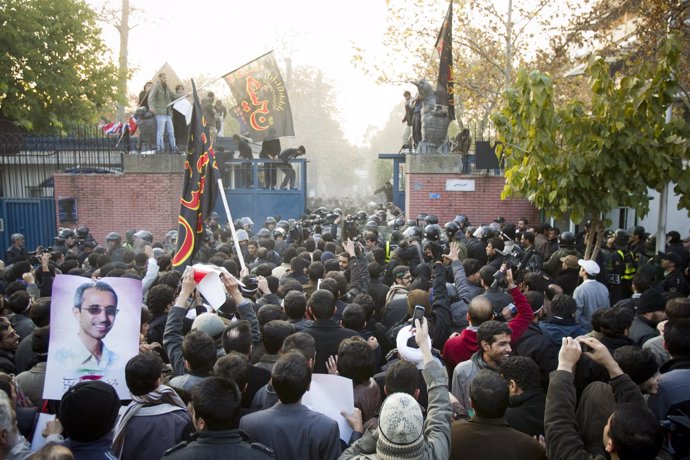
<point>418,314</point>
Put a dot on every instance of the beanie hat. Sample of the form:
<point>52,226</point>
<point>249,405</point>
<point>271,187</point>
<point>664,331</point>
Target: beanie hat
<point>401,428</point>
<point>209,323</point>
<point>95,398</point>
<point>327,255</point>
<point>651,300</point>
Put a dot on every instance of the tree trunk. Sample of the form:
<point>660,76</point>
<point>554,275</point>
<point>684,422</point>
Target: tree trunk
<point>122,73</point>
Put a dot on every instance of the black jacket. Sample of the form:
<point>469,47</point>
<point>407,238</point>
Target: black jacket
<point>327,335</point>
<point>526,412</point>
<point>213,445</point>
<point>536,345</point>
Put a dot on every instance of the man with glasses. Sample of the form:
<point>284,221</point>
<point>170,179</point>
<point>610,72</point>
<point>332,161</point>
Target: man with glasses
<point>95,309</point>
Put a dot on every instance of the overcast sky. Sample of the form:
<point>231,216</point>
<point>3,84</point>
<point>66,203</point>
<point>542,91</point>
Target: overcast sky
<point>216,37</point>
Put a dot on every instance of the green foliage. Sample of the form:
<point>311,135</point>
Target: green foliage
<point>587,160</point>
<point>53,68</point>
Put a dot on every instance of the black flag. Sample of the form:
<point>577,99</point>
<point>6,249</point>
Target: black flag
<point>200,188</point>
<point>444,48</point>
<point>262,99</point>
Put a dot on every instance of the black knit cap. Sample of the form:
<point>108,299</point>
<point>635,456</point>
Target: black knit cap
<point>88,410</point>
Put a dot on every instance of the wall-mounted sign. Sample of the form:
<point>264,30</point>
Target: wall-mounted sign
<point>459,185</point>
<point>434,196</point>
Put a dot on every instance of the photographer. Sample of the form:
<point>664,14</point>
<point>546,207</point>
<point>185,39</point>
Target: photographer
<point>287,169</point>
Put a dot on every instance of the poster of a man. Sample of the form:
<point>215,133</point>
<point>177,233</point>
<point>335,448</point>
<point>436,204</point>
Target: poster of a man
<point>94,332</point>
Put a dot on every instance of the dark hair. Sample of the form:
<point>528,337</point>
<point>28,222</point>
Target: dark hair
<point>295,304</point>
<point>142,373</point>
<point>535,282</point>
<point>339,277</point>
<point>354,317</point>
<point>563,305</point>
<point>486,273</point>
<point>497,243</point>
<point>614,321</point>
<point>635,432</point>
<point>367,302</point>
<point>642,281</point>
<point>98,285</point>
<point>374,270</point>
<point>217,401</point>
<point>635,361</point>
<point>315,271</point>
<point>199,350</point>
<point>322,304</point>
<point>40,311</point>
<point>301,342</point>
<point>523,370</point>
<point>233,366</point>
<point>39,342</point>
<point>159,298</point>
<point>273,333</point>
<point>331,265</point>
<point>291,377</point>
<point>298,264</point>
<point>488,331</point>
<point>675,308</point>
<point>677,337</point>
<point>529,236</point>
<point>402,377</point>
<point>535,300</point>
<point>288,254</point>
<point>288,285</point>
<point>471,266</point>
<point>19,301</point>
<point>489,394</point>
<point>269,312</point>
<point>331,285</point>
<point>356,360</point>
<point>237,336</point>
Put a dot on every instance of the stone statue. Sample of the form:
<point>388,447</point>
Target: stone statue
<point>435,120</point>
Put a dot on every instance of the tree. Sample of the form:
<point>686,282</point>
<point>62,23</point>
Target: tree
<point>54,72</point>
<point>591,159</point>
<point>628,33</point>
<point>315,117</point>
<point>489,38</point>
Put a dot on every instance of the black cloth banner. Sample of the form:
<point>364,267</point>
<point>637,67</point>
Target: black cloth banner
<point>262,99</point>
<point>444,48</point>
<point>200,188</point>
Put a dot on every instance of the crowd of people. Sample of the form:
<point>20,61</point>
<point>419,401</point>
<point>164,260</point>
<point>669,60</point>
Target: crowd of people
<point>461,342</point>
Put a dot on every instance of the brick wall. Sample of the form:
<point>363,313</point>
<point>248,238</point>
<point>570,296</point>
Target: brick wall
<point>425,193</point>
<point>109,202</point>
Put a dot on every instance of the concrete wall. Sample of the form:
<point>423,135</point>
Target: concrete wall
<point>426,192</point>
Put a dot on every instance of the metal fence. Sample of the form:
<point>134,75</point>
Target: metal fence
<point>28,163</point>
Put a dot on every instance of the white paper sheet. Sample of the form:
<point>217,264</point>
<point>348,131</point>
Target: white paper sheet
<point>329,395</point>
<point>38,440</point>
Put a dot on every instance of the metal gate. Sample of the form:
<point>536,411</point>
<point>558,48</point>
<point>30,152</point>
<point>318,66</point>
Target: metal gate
<point>32,217</point>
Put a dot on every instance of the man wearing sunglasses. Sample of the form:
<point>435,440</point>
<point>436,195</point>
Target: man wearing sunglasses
<point>95,309</point>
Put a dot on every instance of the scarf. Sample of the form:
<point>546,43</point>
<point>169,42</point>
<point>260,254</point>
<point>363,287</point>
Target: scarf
<point>161,395</point>
<point>394,290</point>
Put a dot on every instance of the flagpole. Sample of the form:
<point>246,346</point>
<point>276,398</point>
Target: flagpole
<point>238,250</point>
<point>255,59</point>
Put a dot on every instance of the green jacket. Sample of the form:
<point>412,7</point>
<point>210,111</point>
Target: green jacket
<point>160,97</point>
